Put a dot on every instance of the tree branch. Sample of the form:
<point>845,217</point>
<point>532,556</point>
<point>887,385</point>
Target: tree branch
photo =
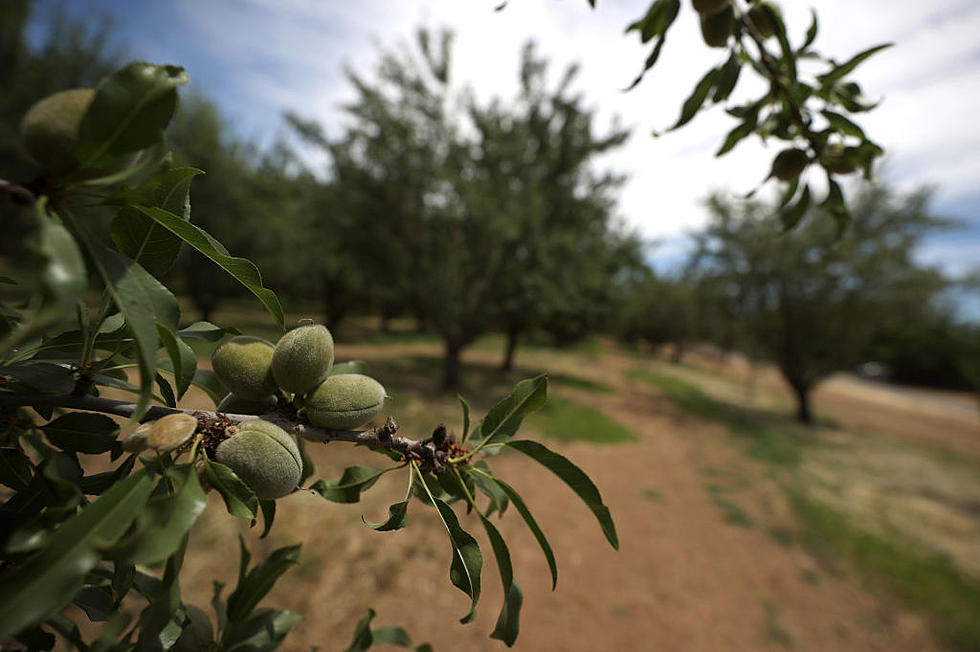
<point>431,453</point>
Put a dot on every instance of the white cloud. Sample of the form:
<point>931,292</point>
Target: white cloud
<point>290,53</point>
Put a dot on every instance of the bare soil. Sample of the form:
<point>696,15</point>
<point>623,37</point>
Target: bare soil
<point>691,573</point>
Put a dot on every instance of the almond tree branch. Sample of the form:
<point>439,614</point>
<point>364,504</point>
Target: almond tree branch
<point>431,452</point>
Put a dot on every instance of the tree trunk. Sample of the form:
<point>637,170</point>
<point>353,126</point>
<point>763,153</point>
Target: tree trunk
<point>512,336</point>
<point>803,413</point>
<point>450,362</point>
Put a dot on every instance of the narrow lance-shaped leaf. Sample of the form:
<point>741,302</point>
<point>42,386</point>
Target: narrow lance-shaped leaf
<point>354,481</point>
<point>130,109</point>
<point>169,517</point>
<point>505,417</point>
<point>82,432</point>
<point>259,581</point>
<point>268,508</point>
<point>532,525</point>
<point>263,632</point>
<point>182,358</point>
<point>62,278</point>
<point>139,298</point>
<point>466,417</point>
<point>467,564</point>
<point>206,331</point>
<point>509,621</point>
<point>792,215</point>
<point>241,269</point>
<point>576,479</point>
<point>839,72</point>
<point>239,499</point>
<point>693,103</point>
<point>44,584</point>
<point>142,239</point>
<point>397,518</point>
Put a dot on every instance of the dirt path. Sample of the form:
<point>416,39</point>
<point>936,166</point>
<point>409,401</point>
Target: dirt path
<point>685,579</point>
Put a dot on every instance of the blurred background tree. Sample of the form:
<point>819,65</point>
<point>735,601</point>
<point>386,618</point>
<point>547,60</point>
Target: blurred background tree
<point>813,300</point>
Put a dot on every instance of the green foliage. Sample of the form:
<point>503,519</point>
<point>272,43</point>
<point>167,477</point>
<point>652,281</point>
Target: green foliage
<point>808,113</point>
<point>812,300</point>
<point>568,420</point>
<point>72,538</point>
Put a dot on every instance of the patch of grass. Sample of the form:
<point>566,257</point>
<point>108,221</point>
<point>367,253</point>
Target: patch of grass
<point>928,583</point>
<point>810,577</point>
<point>730,511</point>
<point>653,494</point>
<point>782,536</point>
<point>577,382</point>
<point>774,631</point>
<point>778,448</point>
<point>567,420</point>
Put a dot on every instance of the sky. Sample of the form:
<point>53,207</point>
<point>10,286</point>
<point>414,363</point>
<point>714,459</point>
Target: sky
<point>259,58</point>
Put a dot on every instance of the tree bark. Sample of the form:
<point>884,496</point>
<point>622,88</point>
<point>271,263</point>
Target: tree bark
<point>803,413</point>
<point>513,335</point>
<point>450,362</point>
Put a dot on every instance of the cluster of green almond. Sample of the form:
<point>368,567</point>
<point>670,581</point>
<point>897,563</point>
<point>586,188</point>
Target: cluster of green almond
<point>297,368</point>
<point>718,20</point>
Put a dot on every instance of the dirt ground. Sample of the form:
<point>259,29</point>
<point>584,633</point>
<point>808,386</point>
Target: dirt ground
<point>685,578</point>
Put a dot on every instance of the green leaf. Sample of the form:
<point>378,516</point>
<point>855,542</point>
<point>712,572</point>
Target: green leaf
<point>397,518</point>
<point>364,637</point>
<point>182,357</point>
<point>239,499</point>
<point>15,468</point>
<point>62,277</point>
<point>504,418</point>
<point>843,124</point>
<point>139,298</point>
<point>727,79</point>
<point>82,432</point>
<point>44,377</point>
<point>466,417</point>
<point>130,109</point>
<point>792,215</point>
<point>98,483</point>
<point>509,621</point>
<point>40,586</point>
<point>259,581</point>
<point>741,130</point>
<point>169,517</point>
<point>485,482</point>
<point>811,33</point>
<point>142,239</point>
<point>262,632</point>
<point>576,479</point>
<point>205,331</point>
<point>242,270</point>
<point>467,564</point>
<point>842,70</point>
<point>96,602</point>
<point>397,636</point>
<point>350,367</point>
<point>657,21</point>
<point>159,627</point>
<point>205,380</point>
<point>693,103</point>
<point>532,525</point>
<point>268,508</point>
<point>348,489</point>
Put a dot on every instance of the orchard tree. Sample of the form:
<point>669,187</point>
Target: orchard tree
<point>113,542</point>
<point>811,300</point>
